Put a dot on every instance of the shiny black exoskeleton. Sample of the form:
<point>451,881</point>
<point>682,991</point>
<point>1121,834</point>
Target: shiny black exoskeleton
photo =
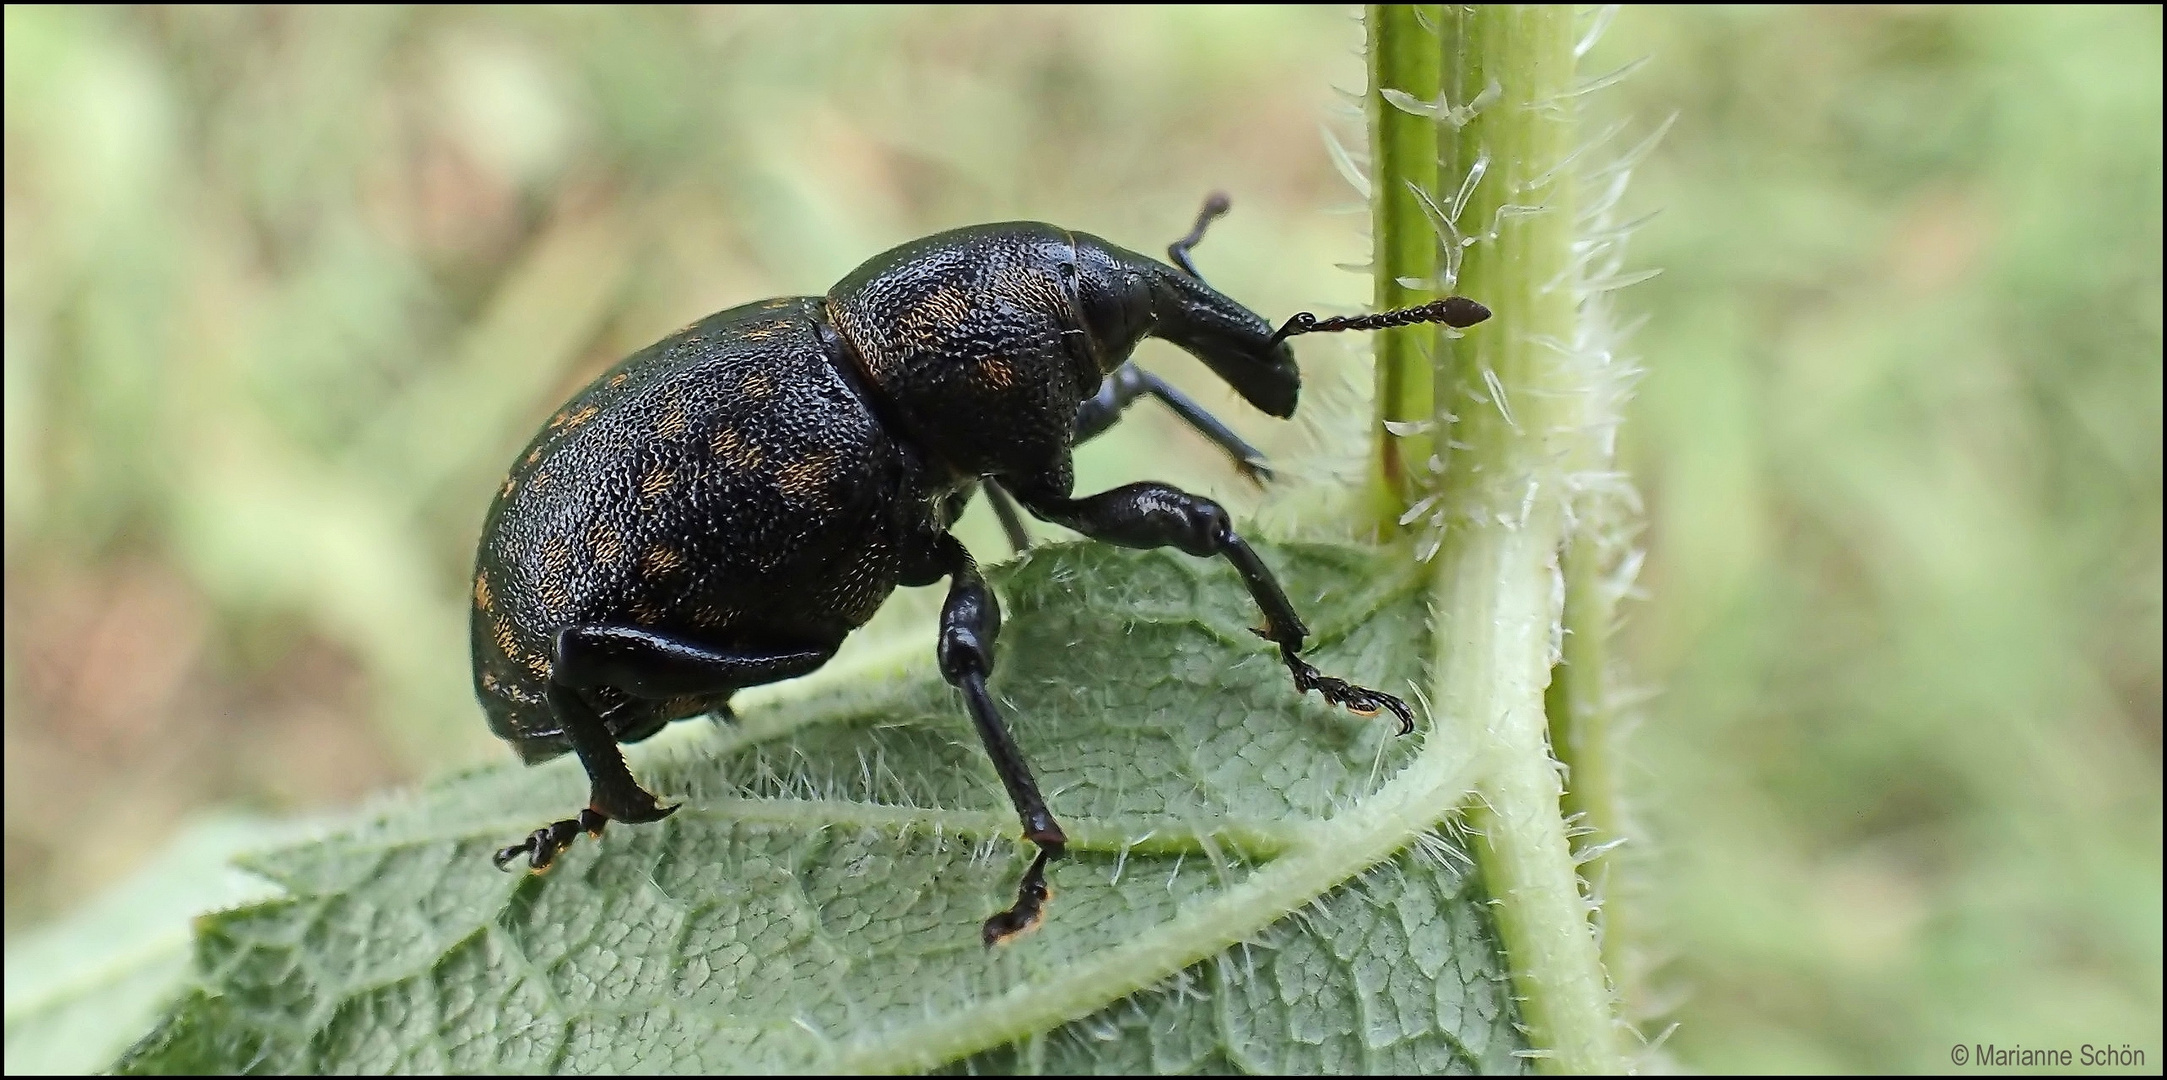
<point>722,508</point>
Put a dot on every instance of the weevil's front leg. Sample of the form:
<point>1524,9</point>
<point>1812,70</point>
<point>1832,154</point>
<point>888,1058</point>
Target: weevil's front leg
<point>1004,508</point>
<point>646,665</point>
<point>1153,515</point>
<point>970,621</point>
<point>1129,382</point>
<point>1099,412</point>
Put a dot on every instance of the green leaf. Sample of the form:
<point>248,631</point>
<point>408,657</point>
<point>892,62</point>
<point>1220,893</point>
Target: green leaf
<point>1255,880</point>
<point>81,991</point>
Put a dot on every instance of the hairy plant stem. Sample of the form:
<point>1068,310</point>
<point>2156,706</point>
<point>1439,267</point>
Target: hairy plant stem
<point>1404,56</point>
<point>1509,411</point>
<point>1583,735</point>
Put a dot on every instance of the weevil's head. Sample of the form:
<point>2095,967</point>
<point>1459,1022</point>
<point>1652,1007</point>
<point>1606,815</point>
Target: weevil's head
<point>1123,297</point>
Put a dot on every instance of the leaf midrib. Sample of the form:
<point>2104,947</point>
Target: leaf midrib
<point>1327,853</point>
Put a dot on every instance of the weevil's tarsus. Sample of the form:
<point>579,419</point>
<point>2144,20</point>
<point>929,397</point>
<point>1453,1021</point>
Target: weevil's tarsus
<point>543,845</point>
<point>1359,700</point>
<point>1030,908</point>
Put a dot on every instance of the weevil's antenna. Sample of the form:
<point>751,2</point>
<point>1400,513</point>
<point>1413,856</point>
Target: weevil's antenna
<point>1454,311</point>
<point>1177,252</point>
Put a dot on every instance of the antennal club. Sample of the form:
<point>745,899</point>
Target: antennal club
<point>1453,311</point>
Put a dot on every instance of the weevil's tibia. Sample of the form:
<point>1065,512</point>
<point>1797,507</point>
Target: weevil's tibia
<point>1152,515</point>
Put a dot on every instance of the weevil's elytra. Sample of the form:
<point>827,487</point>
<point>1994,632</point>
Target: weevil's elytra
<point>723,507</point>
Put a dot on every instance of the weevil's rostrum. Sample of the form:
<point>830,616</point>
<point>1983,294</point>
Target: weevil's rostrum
<point>722,508</point>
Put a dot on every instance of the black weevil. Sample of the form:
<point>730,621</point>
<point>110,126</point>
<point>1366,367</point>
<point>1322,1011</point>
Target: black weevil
<point>723,507</point>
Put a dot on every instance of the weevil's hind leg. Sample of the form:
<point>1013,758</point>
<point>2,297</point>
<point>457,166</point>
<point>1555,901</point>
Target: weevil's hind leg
<point>646,665</point>
<point>1129,382</point>
<point>1152,515</point>
<point>613,794</point>
<point>970,621</point>
<point>1004,507</point>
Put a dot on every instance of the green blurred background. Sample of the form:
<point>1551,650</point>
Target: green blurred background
<point>287,288</point>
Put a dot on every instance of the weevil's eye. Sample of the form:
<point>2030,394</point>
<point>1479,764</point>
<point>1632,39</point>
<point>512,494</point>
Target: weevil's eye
<point>1113,297</point>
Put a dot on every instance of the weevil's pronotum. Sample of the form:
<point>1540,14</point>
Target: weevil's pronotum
<point>723,507</point>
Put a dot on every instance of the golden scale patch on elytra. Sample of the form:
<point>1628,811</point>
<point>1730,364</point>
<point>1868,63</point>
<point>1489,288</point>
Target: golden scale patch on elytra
<point>511,484</point>
<point>573,418</point>
<point>534,455</point>
<point>734,450</point>
<point>604,544</point>
<point>551,588</point>
<point>556,599</point>
<point>756,384</point>
<point>997,373</point>
<point>655,483</point>
<point>804,477</point>
<point>661,560</point>
<point>500,629</point>
<point>482,599</point>
<point>764,331</point>
<point>489,681</point>
<point>618,379</point>
<point>645,612</point>
<point>673,422</point>
<point>710,616</point>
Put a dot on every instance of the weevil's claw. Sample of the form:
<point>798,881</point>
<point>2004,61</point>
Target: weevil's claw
<point>543,845</point>
<point>1360,700</point>
<point>1030,907</point>
<point>1363,701</point>
<point>540,847</point>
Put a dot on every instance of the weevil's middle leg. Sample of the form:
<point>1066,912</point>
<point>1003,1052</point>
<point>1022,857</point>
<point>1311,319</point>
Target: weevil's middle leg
<point>970,621</point>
